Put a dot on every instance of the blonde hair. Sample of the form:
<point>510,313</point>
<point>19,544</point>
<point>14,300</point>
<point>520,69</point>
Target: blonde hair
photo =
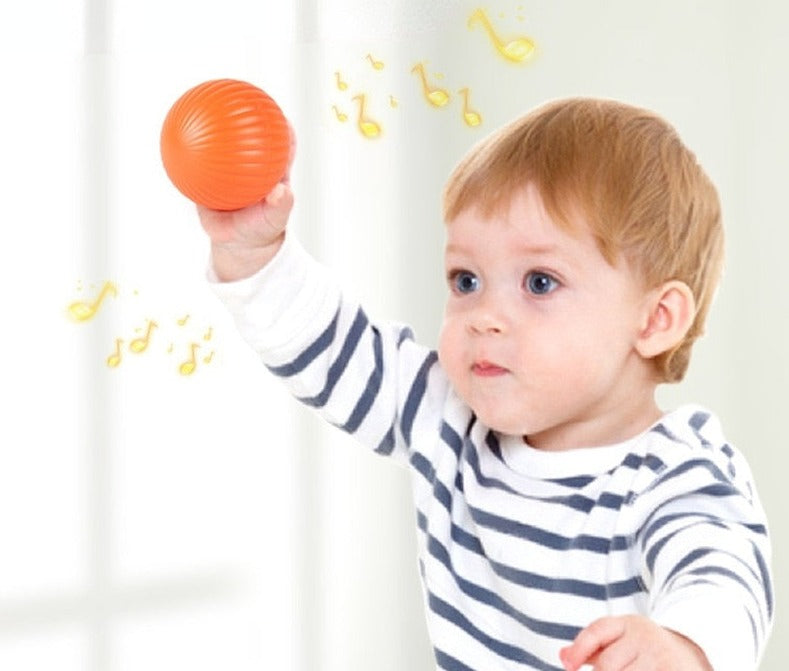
<point>642,192</point>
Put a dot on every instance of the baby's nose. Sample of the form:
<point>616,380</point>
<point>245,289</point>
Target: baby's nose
<point>487,318</point>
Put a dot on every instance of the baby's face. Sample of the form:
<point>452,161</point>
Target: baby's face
<point>539,329</point>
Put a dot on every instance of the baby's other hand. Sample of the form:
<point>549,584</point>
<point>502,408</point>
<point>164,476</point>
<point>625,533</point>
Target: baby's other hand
<point>632,643</point>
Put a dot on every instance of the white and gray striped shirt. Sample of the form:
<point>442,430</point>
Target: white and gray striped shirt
<point>520,549</point>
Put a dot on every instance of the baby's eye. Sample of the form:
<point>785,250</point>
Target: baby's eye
<point>539,283</point>
<point>463,281</point>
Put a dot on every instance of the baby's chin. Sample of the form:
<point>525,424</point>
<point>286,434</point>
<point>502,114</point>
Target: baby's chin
<point>504,426</point>
<point>529,430</point>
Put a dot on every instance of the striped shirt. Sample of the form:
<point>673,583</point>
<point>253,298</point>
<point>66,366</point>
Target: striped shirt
<point>520,549</point>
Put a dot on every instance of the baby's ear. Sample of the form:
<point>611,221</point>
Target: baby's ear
<point>669,311</point>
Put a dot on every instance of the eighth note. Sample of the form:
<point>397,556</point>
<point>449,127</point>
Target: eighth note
<point>471,117</point>
<point>378,65</point>
<point>437,97</point>
<point>367,127</point>
<point>340,83</point>
<point>82,311</point>
<point>114,359</point>
<point>141,344</point>
<point>188,367</point>
<point>342,117</point>
<point>517,50</point>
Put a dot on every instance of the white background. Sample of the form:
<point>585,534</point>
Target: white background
<point>150,520</point>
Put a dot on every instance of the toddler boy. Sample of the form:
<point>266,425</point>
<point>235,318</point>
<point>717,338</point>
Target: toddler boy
<point>563,518</point>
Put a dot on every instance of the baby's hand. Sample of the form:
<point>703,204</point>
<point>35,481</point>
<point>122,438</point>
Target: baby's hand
<point>243,241</point>
<point>634,643</point>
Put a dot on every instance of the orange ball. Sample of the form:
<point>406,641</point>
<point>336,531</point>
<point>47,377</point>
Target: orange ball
<point>225,144</point>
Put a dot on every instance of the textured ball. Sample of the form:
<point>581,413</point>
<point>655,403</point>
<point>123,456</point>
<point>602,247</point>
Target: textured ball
<point>225,144</point>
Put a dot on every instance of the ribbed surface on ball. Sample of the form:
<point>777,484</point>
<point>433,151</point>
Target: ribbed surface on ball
<point>225,144</point>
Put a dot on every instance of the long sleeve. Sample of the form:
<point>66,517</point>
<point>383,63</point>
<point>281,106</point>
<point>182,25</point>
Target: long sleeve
<point>369,380</point>
<point>706,551</point>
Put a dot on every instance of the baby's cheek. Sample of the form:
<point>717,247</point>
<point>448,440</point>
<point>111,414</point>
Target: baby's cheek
<point>449,351</point>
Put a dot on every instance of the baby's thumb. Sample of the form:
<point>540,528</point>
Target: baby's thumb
<point>278,204</point>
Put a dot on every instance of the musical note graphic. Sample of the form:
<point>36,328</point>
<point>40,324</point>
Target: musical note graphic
<point>188,367</point>
<point>82,311</point>
<point>139,345</point>
<point>378,65</point>
<point>342,117</point>
<point>516,50</point>
<point>471,117</point>
<point>340,83</point>
<point>436,96</point>
<point>114,359</point>
<point>367,127</point>
<point>150,334</point>
<point>393,102</point>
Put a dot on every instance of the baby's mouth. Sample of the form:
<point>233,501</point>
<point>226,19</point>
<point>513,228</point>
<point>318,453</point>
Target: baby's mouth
<point>487,369</point>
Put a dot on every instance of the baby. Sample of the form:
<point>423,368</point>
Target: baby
<point>563,518</point>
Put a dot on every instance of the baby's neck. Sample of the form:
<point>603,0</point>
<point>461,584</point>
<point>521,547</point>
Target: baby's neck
<point>599,430</point>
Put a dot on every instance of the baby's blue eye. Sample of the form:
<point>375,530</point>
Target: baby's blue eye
<point>464,282</point>
<point>539,283</point>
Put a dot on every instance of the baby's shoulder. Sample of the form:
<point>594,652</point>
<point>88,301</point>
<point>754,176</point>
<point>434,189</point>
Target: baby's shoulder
<point>687,450</point>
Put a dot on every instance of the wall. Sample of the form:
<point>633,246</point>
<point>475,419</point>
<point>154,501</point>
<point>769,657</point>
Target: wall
<point>153,520</point>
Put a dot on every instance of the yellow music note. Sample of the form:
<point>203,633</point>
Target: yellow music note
<point>340,83</point>
<point>516,50</point>
<point>367,127</point>
<point>208,334</point>
<point>378,65</point>
<point>342,117</point>
<point>182,321</point>
<point>393,101</point>
<point>141,344</point>
<point>82,311</point>
<point>208,357</point>
<point>114,359</point>
<point>471,117</point>
<point>437,97</point>
<point>188,367</point>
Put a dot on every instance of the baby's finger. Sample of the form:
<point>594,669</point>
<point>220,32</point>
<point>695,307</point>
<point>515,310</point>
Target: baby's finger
<point>621,655</point>
<point>291,153</point>
<point>280,197</point>
<point>598,635</point>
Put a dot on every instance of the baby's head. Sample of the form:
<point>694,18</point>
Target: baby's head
<point>645,197</point>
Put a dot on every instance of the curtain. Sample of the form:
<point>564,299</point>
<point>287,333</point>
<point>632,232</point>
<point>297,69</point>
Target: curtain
<point>163,503</point>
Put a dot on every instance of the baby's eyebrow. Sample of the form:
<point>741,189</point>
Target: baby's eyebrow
<point>526,248</point>
<point>454,248</point>
<point>535,249</point>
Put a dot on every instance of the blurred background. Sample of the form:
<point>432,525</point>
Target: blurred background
<point>162,503</point>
